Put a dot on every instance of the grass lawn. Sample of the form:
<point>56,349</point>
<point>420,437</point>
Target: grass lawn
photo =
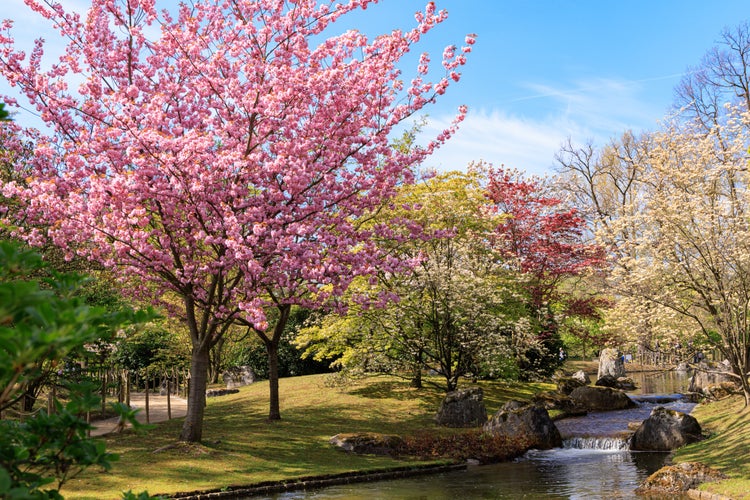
<point>240,447</point>
<point>728,447</point>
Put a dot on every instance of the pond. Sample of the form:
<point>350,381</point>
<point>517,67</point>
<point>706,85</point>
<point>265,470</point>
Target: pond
<point>594,463</point>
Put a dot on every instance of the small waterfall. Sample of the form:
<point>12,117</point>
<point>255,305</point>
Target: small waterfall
<point>596,443</point>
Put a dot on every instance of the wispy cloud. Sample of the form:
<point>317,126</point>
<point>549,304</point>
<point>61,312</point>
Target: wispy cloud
<point>500,139</point>
<point>597,110</point>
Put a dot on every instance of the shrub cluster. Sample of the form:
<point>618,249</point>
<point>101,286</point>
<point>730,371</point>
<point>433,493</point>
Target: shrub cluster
<point>473,444</point>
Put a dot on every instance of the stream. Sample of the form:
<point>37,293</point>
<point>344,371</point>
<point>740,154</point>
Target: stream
<point>594,462</point>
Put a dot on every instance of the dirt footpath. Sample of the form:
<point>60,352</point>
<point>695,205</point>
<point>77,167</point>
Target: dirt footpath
<point>157,412</point>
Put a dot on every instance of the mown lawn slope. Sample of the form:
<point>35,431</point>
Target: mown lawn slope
<point>241,447</point>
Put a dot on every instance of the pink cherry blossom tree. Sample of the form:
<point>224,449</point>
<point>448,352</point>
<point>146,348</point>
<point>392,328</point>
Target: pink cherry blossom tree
<point>224,154</point>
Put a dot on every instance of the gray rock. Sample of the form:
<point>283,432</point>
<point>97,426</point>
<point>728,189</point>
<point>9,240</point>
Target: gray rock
<point>606,381</point>
<point>611,362</point>
<point>581,376</point>
<point>553,400</point>
<point>675,479</point>
<point>665,430</point>
<point>237,376</point>
<point>512,405</point>
<point>462,408</point>
<point>529,423</point>
<point>708,375</point>
<point>625,383</point>
<point>566,385</point>
<point>601,398</point>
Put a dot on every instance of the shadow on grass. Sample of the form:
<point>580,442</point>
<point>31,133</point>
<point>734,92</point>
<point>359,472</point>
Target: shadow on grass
<point>728,446</point>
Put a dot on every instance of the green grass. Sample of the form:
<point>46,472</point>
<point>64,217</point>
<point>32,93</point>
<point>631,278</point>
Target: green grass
<point>241,447</point>
<point>728,447</point>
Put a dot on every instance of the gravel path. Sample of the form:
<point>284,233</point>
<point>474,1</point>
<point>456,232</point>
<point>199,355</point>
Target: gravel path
<point>157,406</point>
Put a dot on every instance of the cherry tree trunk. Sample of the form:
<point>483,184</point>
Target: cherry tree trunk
<point>192,429</point>
<point>272,349</point>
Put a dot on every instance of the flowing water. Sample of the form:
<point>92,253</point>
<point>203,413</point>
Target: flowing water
<point>594,462</point>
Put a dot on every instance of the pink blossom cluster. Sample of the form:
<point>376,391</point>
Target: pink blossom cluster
<point>216,152</point>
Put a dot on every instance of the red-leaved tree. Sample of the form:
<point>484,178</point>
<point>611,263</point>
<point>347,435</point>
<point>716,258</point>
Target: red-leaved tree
<point>542,239</point>
<point>224,154</point>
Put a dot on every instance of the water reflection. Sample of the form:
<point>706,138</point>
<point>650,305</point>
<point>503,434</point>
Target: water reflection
<point>556,474</point>
<point>661,382</point>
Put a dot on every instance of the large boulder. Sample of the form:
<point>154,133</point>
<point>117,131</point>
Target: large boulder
<point>237,376</point>
<point>611,362</point>
<point>462,408</point>
<point>665,430</point>
<point>566,385</point>
<point>624,383</point>
<point>526,423</point>
<point>673,480</point>
<point>555,400</point>
<point>594,398</point>
<point>606,381</point>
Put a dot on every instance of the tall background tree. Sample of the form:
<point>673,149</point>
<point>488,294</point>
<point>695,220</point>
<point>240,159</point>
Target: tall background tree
<point>541,239</point>
<point>224,154</point>
<point>696,236</point>
<point>670,206</point>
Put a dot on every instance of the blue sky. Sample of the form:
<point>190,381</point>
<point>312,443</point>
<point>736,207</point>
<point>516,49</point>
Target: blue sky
<point>542,70</point>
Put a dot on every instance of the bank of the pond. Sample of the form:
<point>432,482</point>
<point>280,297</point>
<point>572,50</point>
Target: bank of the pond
<point>241,447</point>
<point>727,422</point>
<point>316,482</point>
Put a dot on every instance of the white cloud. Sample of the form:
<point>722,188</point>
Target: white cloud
<point>498,138</point>
<point>596,110</point>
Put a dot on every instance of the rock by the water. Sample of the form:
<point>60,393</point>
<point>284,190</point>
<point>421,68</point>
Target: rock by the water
<point>582,376</point>
<point>606,381</point>
<point>719,391</point>
<point>626,384</point>
<point>553,400</point>
<point>528,423</point>
<point>237,376</point>
<point>463,408</point>
<point>709,380</point>
<point>665,430</point>
<point>566,385</point>
<point>594,398</point>
<point>678,478</point>
<point>368,443</point>
<point>611,362</point>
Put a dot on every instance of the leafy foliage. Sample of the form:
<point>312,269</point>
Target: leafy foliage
<point>43,322</point>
